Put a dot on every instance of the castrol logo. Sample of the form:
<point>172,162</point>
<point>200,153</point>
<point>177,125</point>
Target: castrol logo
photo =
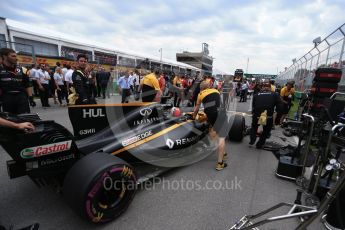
<point>43,150</point>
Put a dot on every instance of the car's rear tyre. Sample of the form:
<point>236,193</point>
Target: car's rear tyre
<point>238,126</point>
<point>100,187</point>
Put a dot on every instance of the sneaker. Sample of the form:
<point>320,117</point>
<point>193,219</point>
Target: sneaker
<point>225,156</point>
<point>221,166</point>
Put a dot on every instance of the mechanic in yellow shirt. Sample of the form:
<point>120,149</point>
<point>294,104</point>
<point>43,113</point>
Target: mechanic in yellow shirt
<point>286,95</point>
<point>210,98</point>
<point>150,87</point>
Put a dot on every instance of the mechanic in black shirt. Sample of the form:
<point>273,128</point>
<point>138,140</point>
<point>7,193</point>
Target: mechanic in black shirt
<point>265,100</point>
<point>210,98</point>
<point>15,85</point>
<point>82,83</point>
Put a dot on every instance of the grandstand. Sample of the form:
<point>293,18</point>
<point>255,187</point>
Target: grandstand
<point>39,45</point>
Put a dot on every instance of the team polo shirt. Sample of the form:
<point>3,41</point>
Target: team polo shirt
<point>285,92</point>
<point>151,81</point>
<point>211,100</point>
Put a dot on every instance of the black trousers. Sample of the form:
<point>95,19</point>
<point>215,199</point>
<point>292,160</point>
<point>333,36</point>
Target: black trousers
<point>62,93</point>
<point>225,100</point>
<point>243,95</point>
<point>266,130</point>
<point>125,94</point>
<point>148,94</point>
<point>15,103</point>
<point>93,90</point>
<point>177,100</point>
<point>44,95</point>
<point>105,91</point>
<point>99,89</point>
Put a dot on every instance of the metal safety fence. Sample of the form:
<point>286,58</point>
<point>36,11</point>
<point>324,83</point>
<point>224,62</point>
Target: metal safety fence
<point>328,52</point>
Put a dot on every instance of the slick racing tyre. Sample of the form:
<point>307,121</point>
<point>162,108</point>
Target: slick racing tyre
<point>100,187</point>
<point>238,126</point>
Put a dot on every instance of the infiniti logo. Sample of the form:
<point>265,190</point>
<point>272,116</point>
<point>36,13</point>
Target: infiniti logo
<point>145,112</point>
<point>169,143</point>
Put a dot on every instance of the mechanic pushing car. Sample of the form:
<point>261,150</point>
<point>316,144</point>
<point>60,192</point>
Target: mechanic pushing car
<point>263,107</point>
<point>82,83</point>
<point>150,87</point>
<point>15,85</point>
<point>210,98</point>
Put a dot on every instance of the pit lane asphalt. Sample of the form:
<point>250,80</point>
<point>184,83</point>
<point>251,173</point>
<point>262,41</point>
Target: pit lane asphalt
<point>168,202</point>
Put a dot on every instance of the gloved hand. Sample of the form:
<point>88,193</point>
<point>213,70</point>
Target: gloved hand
<point>32,102</point>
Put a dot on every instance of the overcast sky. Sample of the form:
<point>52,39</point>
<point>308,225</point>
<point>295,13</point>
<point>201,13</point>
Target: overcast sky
<point>269,33</point>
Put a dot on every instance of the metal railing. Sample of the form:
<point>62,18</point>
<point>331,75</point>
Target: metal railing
<point>328,53</point>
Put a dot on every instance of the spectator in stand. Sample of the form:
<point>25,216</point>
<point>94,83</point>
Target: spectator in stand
<point>60,86</point>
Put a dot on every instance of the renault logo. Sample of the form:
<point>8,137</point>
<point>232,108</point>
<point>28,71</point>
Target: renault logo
<point>170,143</point>
<point>145,112</point>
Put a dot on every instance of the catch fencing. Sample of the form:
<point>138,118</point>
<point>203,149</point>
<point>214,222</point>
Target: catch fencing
<point>328,52</point>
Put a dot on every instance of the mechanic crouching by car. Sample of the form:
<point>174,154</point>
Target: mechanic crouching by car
<point>14,84</point>
<point>82,83</point>
<point>210,98</point>
<point>263,107</point>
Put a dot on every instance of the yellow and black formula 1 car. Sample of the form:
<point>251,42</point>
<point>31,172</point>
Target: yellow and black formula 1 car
<point>114,147</point>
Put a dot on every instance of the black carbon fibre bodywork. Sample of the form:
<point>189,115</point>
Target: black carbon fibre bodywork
<point>143,134</point>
